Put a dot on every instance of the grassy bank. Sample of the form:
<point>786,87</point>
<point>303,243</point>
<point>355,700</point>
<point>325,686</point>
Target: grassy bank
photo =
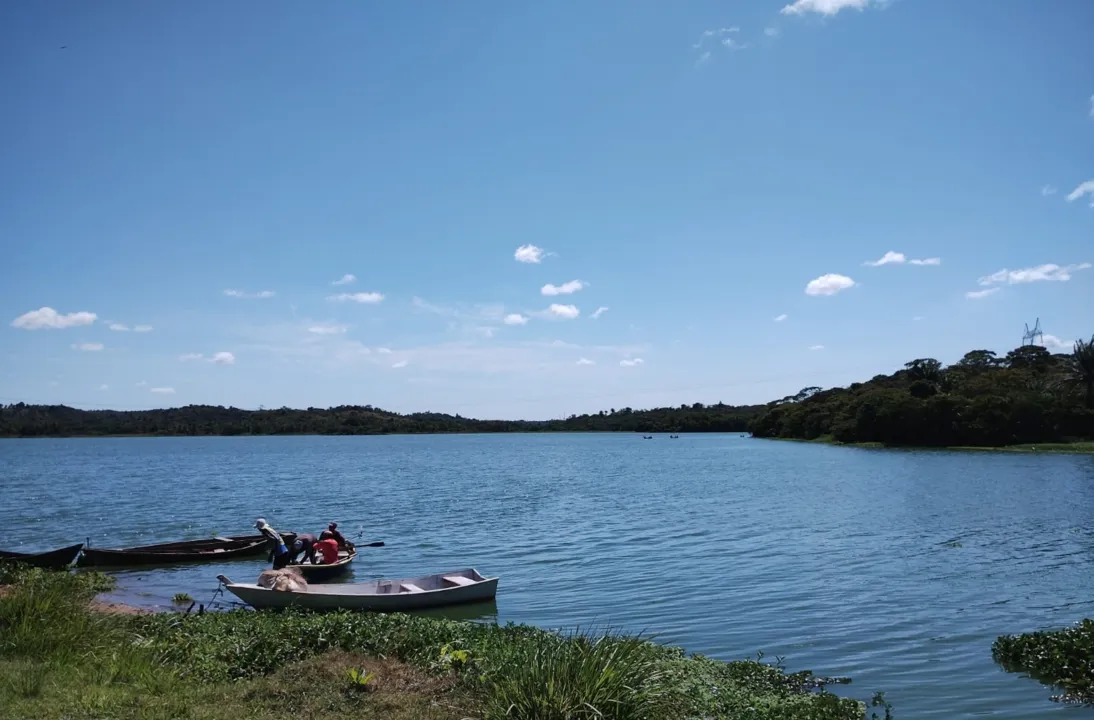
<point>60,659</point>
<point>1060,658</point>
<point>1072,447</point>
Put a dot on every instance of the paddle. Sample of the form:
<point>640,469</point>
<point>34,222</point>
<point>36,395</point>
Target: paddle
<point>379,543</point>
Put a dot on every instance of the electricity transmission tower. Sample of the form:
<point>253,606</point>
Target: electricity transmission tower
<point>1034,336</point>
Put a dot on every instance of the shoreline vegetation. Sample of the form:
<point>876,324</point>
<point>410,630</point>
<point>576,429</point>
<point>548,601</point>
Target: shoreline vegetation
<point>60,658</point>
<point>1028,400</point>
<point>1081,447</point>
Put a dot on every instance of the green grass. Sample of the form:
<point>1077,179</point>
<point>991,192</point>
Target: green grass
<point>1060,658</point>
<point>60,659</point>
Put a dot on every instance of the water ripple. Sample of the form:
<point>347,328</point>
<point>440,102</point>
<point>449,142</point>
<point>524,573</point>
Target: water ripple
<point>896,568</point>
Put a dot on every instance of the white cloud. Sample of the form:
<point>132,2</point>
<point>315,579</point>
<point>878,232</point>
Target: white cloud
<point>816,347</point>
<point>889,258</point>
<point>1051,342</point>
<point>142,328</point>
<point>895,258</point>
<point>384,351</point>
<point>823,7</point>
<point>119,327</point>
<point>486,332</point>
<point>598,312</point>
<point>829,284</point>
<point>977,294</point>
<point>562,312</point>
<point>1047,272</point>
<point>566,288</point>
<point>142,383</point>
<point>122,327</point>
<point>1092,106</point>
<point>242,294</point>
<point>328,329</point>
<point>104,386</point>
<point>917,318</point>
<point>515,319</point>
<point>361,297</point>
<point>88,347</point>
<point>345,280</point>
<point>771,31</point>
<point>400,364</point>
<point>46,318</point>
<point>163,390</point>
<point>631,363</point>
<point>1047,190</point>
<point>1086,188</point>
<point>529,254</point>
<point>585,361</point>
<point>703,58</point>
<point>780,318</point>
<point>220,358</point>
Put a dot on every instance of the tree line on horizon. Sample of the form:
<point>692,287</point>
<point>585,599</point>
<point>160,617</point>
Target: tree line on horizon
<point>1027,396</point>
<point>23,420</point>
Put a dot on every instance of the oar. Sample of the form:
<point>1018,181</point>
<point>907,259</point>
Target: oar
<point>379,543</point>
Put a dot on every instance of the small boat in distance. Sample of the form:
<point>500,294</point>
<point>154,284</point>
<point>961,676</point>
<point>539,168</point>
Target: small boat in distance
<point>218,548</point>
<point>51,559</point>
<point>455,587</point>
<point>322,571</point>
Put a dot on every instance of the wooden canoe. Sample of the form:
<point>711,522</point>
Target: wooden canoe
<point>207,549</point>
<point>53,559</point>
<point>322,571</point>
<point>428,591</point>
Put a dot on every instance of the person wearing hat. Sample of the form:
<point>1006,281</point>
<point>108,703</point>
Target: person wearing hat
<point>279,553</point>
<point>332,533</point>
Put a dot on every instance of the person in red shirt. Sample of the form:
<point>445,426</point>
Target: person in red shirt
<point>329,549</point>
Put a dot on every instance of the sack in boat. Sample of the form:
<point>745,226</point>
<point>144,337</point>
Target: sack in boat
<point>288,579</point>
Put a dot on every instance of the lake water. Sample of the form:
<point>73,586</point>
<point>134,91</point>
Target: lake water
<point>896,568</point>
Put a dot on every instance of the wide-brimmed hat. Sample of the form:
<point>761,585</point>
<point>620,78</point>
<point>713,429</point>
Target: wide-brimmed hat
<point>261,523</point>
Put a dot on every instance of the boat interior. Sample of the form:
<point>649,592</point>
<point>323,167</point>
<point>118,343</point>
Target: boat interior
<point>438,581</point>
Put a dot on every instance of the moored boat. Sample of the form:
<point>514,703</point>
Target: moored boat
<point>322,571</point>
<point>218,548</point>
<point>455,587</point>
<point>51,559</point>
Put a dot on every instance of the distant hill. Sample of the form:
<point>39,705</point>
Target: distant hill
<point>1027,396</point>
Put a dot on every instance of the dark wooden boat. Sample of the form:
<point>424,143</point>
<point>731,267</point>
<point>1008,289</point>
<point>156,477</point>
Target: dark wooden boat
<point>52,559</point>
<point>324,571</point>
<point>209,549</point>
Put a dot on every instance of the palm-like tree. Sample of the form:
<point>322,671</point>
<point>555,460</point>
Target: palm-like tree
<point>1082,367</point>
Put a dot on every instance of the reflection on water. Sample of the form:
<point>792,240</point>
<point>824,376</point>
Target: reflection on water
<point>897,569</point>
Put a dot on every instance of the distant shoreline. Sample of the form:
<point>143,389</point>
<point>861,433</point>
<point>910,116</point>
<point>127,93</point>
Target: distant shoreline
<point>1072,448</point>
<point>376,434</point>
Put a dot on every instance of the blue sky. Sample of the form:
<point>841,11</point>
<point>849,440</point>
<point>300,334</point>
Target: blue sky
<point>185,186</point>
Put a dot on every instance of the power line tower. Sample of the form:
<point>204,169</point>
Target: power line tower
<point>1034,336</point>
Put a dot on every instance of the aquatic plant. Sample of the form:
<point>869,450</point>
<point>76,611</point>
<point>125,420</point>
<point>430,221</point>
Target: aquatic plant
<point>1063,658</point>
<point>182,597</point>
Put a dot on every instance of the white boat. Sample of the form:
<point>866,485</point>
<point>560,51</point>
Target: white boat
<point>429,591</point>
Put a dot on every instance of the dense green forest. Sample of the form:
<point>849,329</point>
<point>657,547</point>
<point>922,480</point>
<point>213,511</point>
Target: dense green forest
<point>1028,396</point>
<point>22,420</point>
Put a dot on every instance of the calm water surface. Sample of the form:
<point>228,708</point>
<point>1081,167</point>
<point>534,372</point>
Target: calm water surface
<point>898,569</point>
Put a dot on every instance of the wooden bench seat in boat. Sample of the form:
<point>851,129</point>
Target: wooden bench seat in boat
<point>458,580</point>
<point>411,587</point>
